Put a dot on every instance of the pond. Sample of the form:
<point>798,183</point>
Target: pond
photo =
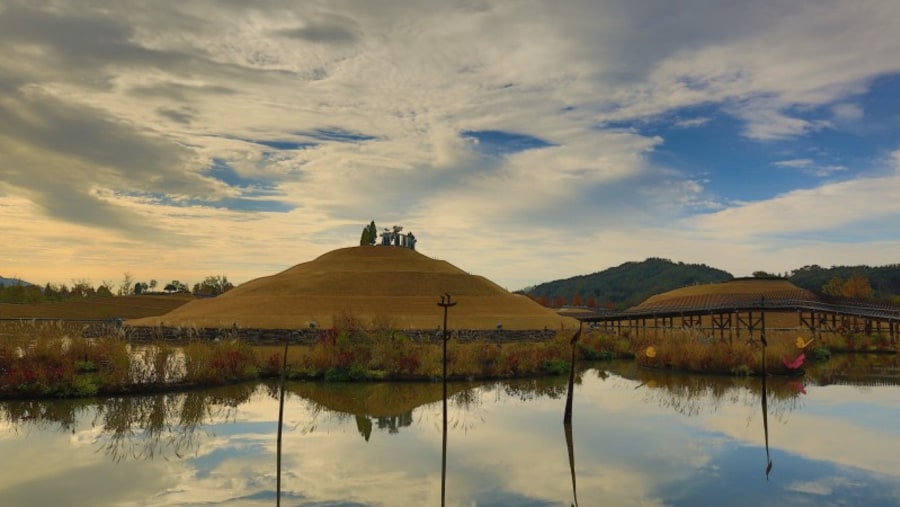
<point>638,438</point>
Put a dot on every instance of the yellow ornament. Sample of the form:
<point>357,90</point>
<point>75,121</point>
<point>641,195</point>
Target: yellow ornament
<point>803,344</point>
<point>650,352</point>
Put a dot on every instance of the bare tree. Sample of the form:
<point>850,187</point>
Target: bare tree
<point>125,287</point>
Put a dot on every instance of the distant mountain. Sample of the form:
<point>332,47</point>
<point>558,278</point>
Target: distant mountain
<point>627,285</point>
<point>9,282</point>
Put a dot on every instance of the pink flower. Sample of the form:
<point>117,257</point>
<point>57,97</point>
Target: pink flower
<point>796,363</point>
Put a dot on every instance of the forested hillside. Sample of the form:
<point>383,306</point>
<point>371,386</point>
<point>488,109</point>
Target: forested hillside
<point>625,285</point>
<point>884,280</point>
<point>633,282</point>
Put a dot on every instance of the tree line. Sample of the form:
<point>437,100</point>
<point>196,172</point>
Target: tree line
<point>211,286</point>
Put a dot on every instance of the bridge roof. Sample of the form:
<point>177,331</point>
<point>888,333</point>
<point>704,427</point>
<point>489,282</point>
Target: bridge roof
<point>789,301</point>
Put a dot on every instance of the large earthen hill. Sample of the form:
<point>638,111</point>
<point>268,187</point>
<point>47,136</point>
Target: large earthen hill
<point>376,285</point>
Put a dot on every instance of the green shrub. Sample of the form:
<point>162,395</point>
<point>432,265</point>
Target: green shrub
<point>820,354</point>
<point>335,374</point>
<point>555,366</point>
<point>357,373</point>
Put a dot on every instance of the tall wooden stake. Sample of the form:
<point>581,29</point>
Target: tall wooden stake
<point>570,446</point>
<point>445,304</point>
<point>567,416</point>
<point>280,421</point>
<point>765,373</point>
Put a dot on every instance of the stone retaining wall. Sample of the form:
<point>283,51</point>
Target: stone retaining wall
<point>303,336</point>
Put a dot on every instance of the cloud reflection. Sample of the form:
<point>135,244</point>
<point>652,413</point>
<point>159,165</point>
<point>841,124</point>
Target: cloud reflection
<point>635,443</point>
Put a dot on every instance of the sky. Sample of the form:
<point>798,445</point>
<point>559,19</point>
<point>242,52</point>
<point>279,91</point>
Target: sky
<point>524,141</point>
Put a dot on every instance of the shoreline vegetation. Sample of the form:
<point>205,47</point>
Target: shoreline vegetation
<point>53,360</point>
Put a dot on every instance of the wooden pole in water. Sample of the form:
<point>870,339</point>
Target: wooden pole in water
<point>571,448</point>
<point>765,414</point>
<point>445,304</point>
<point>765,373</point>
<point>280,421</point>
<point>567,416</point>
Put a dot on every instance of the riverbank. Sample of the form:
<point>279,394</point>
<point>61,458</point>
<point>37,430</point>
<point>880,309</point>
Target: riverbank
<point>58,360</point>
<point>44,359</point>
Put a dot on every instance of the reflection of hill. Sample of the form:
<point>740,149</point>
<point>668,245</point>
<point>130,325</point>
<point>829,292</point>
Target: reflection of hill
<point>373,399</point>
<point>387,406</point>
<point>692,394</point>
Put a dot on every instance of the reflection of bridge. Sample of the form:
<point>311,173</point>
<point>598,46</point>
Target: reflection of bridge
<point>730,314</point>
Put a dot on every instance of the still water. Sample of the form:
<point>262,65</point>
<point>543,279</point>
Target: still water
<point>638,438</point>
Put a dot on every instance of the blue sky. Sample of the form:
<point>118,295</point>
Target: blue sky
<point>521,141</point>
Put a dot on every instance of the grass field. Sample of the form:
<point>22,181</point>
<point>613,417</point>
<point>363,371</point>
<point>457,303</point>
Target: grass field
<point>126,307</point>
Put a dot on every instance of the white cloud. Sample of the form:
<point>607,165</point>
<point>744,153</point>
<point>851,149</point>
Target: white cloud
<point>111,118</point>
<point>767,122</point>
<point>847,112</point>
<point>832,206</point>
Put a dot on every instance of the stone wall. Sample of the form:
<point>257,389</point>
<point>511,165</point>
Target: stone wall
<point>302,336</point>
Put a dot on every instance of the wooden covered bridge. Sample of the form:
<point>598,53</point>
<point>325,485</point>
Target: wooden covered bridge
<point>730,316</point>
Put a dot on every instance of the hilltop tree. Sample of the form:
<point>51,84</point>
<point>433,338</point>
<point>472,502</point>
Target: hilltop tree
<point>369,235</point>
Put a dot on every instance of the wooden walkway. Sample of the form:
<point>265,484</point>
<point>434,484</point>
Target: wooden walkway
<point>728,315</point>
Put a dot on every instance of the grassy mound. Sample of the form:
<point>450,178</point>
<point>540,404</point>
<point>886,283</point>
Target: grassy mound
<point>722,293</point>
<point>379,286</point>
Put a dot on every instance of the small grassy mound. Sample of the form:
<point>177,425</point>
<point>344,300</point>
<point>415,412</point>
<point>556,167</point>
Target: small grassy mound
<point>742,290</point>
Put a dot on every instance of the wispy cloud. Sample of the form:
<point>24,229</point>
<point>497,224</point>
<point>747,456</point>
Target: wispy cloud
<point>809,166</point>
<point>692,122</point>
<point>796,163</point>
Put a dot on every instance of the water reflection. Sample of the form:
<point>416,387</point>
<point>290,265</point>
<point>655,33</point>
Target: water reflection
<point>383,406</point>
<point>570,449</point>
<point>644,438</point>
<point>136,427</point>
<point>691,395</point>
<point>765,417</point>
